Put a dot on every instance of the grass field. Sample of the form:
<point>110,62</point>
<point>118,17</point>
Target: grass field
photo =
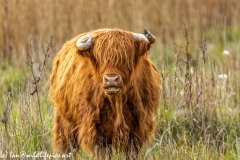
<point>197,53</point>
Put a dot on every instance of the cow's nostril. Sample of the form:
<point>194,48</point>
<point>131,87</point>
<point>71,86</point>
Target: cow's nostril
<point>105,79</point>
<point>117,79</point>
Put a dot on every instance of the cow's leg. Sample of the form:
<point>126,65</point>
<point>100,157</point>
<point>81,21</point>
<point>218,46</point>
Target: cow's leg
<point>132,150</point>
<point>103,150</point>
<point>65,137</point>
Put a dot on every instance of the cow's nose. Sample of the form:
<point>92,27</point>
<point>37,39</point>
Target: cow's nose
<point>112,79</point>
<point>112,83</point>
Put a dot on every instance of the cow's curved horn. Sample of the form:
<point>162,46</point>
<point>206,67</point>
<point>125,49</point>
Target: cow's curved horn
<point>146,36</point>
<point>85,42</point>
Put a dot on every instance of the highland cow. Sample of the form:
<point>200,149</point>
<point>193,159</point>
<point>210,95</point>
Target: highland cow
<point>105,92</point>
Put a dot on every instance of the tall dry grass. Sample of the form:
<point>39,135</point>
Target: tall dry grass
<point>23,22</point>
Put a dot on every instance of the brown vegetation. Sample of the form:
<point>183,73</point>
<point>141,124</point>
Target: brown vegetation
<point>26,21</point>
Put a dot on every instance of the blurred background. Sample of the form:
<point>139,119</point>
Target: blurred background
<point>23,22</point>
<point>197,52</point>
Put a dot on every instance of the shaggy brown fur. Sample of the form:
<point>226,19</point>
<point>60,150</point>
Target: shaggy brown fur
<point>86,116</point>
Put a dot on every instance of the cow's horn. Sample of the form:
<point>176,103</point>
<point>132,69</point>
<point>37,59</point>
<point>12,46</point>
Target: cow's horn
<point>146,36</point>
<point>85,42</point>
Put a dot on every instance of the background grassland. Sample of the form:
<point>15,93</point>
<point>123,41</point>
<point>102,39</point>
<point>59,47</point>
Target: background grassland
<point>199,116</point>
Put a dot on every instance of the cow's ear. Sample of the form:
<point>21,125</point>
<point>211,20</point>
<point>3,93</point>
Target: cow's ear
<point>142,47</point>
